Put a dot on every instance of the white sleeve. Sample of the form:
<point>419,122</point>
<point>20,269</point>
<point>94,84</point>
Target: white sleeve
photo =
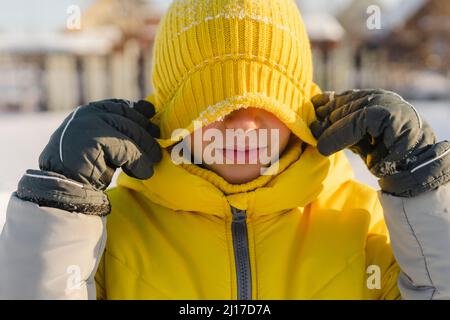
<point>48,253</point>
<point>419,229</point>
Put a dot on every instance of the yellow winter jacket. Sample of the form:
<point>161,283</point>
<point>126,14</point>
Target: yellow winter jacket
<point>309,232</point>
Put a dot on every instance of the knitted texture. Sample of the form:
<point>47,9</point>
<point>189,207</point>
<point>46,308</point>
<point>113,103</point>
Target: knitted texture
<point>212,57</point>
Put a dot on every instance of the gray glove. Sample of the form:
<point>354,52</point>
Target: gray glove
<point>388,134</point>
<point>79,161</point>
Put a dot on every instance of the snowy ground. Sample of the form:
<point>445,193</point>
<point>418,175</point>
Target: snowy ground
<point>23,136</point>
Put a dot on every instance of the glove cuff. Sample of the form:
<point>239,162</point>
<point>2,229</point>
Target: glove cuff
<point>54,190</point>
<point>432,171</point>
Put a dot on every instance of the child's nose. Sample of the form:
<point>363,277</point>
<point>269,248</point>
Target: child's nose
<point>246,119</point>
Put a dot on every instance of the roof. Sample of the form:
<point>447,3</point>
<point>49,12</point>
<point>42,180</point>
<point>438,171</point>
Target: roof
<point>99,41</point>
<point>130,16</point>
<point>402,13</point>
<point>323,27</point>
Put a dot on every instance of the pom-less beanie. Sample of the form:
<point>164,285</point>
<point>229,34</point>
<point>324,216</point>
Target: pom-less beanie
<point>212,57</point>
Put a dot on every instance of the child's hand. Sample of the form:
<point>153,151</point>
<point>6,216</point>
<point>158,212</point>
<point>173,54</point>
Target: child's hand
<point>82,155</point>
<point>388,133</point>
<point>101,137</point>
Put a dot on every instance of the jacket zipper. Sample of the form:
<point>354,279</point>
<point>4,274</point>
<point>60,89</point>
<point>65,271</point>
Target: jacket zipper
<point>241,254</point>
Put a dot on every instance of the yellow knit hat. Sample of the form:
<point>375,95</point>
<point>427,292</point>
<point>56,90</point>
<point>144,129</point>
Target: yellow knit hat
<point>212,57</point>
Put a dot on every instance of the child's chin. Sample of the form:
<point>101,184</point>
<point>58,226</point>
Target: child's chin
<point>237,173</point>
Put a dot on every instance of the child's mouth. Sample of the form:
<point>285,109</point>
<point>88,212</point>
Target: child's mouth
<point>247,155</point>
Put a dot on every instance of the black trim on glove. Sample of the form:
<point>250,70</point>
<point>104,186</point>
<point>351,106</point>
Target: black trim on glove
<point>49,189</point>
<point>78,163</point>
<point>431,170</point>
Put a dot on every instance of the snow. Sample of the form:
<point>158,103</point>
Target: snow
<point>426,85</point>
<point>323,27</point>
<point>99,41</point>
<point>23,136</point>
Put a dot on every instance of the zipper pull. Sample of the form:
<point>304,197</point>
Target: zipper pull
<point>238,214</point>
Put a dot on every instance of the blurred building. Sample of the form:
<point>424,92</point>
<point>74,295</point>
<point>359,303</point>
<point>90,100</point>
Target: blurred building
<point>424,38</point>
<point>129,63</point>
<point>326,35</point>
<point>419,48</point>
<point>110,56</point>
<point>410,53</point>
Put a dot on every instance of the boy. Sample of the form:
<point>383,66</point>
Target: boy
<point>273,217</point>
